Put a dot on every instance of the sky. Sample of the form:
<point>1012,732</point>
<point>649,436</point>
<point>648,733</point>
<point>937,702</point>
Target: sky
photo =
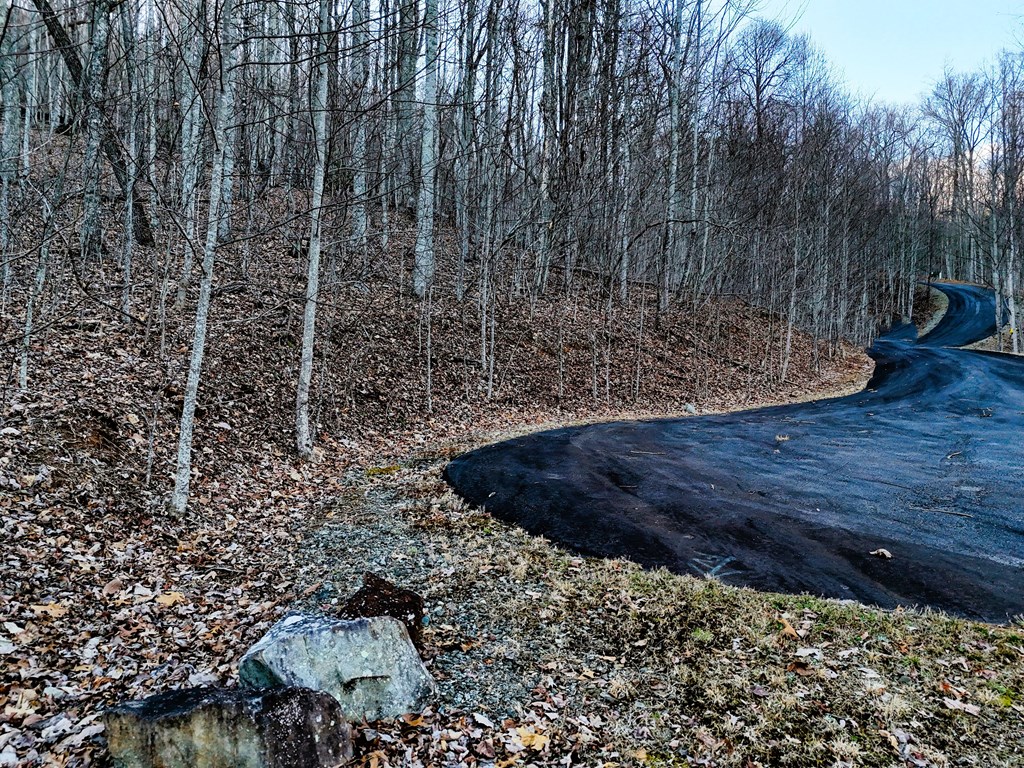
<point>894,50</point>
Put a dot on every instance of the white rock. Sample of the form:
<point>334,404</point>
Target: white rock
<point>369,665</point>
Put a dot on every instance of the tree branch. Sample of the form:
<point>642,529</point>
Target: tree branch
<point>111,148</point>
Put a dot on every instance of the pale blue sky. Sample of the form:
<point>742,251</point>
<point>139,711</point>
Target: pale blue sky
<point>895,49</point>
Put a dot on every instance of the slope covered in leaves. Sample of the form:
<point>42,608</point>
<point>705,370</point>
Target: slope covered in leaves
<point>107,597</point>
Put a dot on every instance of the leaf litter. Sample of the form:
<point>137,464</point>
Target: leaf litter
<point>543,656</point>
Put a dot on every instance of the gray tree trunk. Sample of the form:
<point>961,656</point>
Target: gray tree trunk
<point>548,101</point>
<point>228,196</point>
<point>675,198</point>
<point>191,138</point>
<point>225,108</point>
<point>31,99</point>
<point>303,437</point>
<point>8,152</point>
<point>33,299</point>
<point>128,23</point>
<point>152,96</point>
<point>423,269</point>
<point>360,41</point>
<point>466,116</point>
<point>90,237</point>
<point>404,101</point>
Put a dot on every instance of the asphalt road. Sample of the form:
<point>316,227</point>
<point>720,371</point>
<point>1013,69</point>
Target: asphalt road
<point>927,463</point>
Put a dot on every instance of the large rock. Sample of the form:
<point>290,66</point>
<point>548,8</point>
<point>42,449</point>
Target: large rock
<point>229,728</point>
<point>379,597</point>
<point>369,665</point>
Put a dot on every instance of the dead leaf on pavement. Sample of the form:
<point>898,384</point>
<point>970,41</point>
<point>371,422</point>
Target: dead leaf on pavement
<point>170,598</point>
<point>533,740</point>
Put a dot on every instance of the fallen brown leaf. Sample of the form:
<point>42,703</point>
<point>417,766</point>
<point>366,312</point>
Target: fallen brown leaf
<point>53,610</point>
<point>787,628</point>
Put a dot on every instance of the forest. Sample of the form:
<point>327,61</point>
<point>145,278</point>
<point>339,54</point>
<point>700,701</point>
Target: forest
<point>494,157</point>
<point>256,254</point>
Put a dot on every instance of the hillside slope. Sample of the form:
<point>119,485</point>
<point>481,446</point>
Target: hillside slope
<point>108,597</point>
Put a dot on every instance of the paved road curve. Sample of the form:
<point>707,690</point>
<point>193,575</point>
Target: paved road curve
<point>927,462</point>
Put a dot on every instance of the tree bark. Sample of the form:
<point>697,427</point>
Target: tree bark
<point>225,107</point>
<point>303,437</point>
<point>360,42</point>
<point>423,269</point>
<point>8,154</point>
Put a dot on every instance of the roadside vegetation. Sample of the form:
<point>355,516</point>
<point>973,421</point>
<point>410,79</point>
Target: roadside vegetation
<point>612,664</point>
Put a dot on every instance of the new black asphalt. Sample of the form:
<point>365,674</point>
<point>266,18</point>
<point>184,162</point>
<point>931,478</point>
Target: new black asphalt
<point>927,463</point>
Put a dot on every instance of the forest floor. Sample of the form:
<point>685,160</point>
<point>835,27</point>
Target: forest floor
<point>543,657</point>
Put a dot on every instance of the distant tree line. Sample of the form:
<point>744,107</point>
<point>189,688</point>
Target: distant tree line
<point>682,148</point>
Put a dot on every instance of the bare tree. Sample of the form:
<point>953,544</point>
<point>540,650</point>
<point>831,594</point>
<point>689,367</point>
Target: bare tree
<point>8,153</point>
<point>224,115</point>
<point>318,107</point>
<point>423,268</point>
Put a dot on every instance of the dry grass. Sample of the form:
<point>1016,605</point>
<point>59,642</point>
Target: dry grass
<point>619,665</point>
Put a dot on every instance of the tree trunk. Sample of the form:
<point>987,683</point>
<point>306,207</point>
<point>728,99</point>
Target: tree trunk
<point>90,236</point>
<point>360,42</point>
<point>225,108</point>
<point>303,437</point>
<point>404,102</point>
<point>8,153</point>
<point>191,139</point>
<point>423,269</point>
<point>31,99</point>
<point>33,298</point>
<point>466,115</point>
<point>675,202</point>
<point>128,24</point>
<point>549,127</point>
